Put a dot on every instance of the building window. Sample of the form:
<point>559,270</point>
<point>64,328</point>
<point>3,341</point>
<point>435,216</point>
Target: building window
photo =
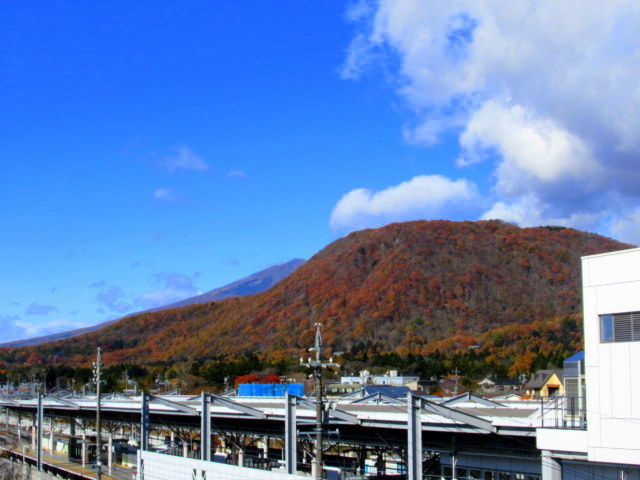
<point>620,327</point>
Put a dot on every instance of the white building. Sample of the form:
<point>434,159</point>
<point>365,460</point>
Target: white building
<point>390,378</point>
<point>608,446</point>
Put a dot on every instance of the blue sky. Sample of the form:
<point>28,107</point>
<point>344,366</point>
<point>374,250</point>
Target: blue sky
<point>154,150</point>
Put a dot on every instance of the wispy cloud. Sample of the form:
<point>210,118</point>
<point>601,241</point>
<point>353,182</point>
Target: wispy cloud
<point>237,174</point>
<point>33,329</point>
<point>165,195</point>
<point>175,286</point>
<point>184,159</point>
<point>113,298</point>
<point>14,328</point>
<point>38,309</point>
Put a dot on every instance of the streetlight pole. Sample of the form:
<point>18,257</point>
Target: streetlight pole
<point>97,369</point>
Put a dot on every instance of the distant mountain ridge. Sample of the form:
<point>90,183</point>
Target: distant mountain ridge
<point>254,283</point>
<point>405,288</point>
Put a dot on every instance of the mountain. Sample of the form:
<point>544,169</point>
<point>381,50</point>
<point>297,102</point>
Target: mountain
<point>57,336</point>
<point>255,283</point>
<point>406,287</point>
<point>250,285</point>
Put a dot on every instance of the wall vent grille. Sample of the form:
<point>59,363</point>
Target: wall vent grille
<point>620,327</point>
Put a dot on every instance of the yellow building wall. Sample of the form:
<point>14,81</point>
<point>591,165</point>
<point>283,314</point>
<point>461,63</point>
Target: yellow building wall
<point>553,380</point>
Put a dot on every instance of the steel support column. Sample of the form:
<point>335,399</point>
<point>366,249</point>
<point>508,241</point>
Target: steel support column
<point>73,441</point>
<point>414,437</point>
<point>290,434</point>
<point>85,450</point>
<point>144,422</point>
<point>110,453</point>
<point>205,427</point>
<point>551,467</point>
<point>39,421</point>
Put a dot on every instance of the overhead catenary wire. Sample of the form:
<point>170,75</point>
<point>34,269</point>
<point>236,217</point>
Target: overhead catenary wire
<point>587,476</point>
<point>458,429</point>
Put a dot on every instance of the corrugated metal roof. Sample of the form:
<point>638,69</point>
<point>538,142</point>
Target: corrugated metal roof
<point>576,357</point>
<point>388,390</point>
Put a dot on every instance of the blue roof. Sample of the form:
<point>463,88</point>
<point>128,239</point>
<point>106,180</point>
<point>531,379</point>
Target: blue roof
<point>388,390</point>
<point>575,357</point>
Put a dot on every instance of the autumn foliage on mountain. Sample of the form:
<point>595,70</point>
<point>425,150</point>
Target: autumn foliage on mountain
<point>406,288</point>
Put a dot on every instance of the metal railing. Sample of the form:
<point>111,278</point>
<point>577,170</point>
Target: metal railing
<point>564,412</point>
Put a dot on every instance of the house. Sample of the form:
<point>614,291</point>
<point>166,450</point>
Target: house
<point>335,388</point>
<point>389,378</point>
<point>499,385</point>
<point>545,384</point>
<point>385,390</point>
<point>425,386</point>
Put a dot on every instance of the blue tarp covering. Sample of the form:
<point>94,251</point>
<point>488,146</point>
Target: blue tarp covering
<point>270,389</point>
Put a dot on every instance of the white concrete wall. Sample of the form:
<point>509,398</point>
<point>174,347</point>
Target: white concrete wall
<point>611,284</point>
<point>560,440</point>
<point>157,466</point>
<point>501,463</point>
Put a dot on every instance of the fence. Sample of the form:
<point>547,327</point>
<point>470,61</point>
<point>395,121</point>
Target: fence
<point>564,412</point>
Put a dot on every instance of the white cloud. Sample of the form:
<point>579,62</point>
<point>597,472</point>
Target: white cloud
<point>14,328</point>
<point>184,159</point>
<point>547,91</point>
<point>627,227</point>
<point>358,10</point>
<point>424,196</point>
<point>175,287</point>
<point>534,152</point>
<point>530,212</point>
<point>37,329</point>
<point>359,56</point>
<point>165,195</point>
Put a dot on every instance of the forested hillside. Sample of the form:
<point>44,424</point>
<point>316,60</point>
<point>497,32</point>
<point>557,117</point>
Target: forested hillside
<point>406,288</point>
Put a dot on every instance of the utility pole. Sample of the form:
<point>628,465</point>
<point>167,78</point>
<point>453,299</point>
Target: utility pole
<point>456,377</point>
<point>97,371</point>
<point>317,366</point>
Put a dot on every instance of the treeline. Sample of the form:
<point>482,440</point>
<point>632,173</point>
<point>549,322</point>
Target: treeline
<point>506,351</point>
<point>218,374</point>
